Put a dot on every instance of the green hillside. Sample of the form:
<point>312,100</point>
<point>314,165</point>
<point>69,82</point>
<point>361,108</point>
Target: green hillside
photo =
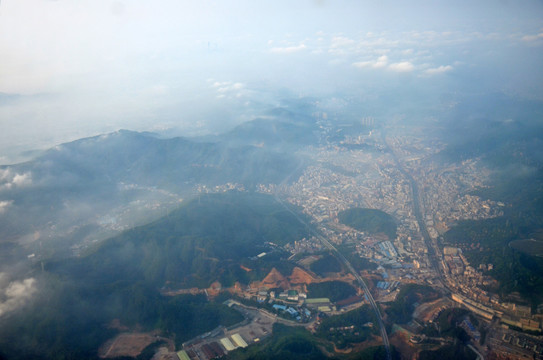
<point>370,220</point>
<point>205,240</point>
<point>201,242</point>
<point>487,242</point>
<point>123,168</point>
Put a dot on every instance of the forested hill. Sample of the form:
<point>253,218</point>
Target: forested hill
<point>116,172</point>
<point>205,240</point>
<point>506,138</point>
<point>370,220</point>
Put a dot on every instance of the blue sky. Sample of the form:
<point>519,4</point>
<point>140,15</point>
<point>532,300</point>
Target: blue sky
<point>74,68</point>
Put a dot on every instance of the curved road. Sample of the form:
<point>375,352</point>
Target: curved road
<point>347,264</point>
<point>430,244</point>
<point>358,278</point>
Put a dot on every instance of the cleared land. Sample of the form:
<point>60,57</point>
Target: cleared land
<point>129,344</point>
<point>427,311</point>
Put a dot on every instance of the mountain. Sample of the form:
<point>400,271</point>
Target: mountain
<point>203,241</point>
<point>113,181</point>
<point>504,134</point>
<point>145,159</point>
<point>275,133</point>
<point>119,280</point>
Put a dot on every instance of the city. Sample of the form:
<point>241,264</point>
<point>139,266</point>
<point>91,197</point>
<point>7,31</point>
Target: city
<point>342,177</point>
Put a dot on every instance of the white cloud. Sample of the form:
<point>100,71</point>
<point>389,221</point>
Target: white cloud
<point>9,180</point>
<point>5,174</point>
<point>363,64</point>
<point>404,66</point>
<point>531,38</point>
<point>288,49</point>
<point>341,41</point>
<point>229,88</point>
<point>15,294</point>
<point>4,206</point>
<point>438,70</point>
<point>22,179</point>
<point>381,62</point>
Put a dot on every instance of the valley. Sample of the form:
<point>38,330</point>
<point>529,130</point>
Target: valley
<point>365,224</point>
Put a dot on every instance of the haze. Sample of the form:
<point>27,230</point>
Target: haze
<point>71,69</point>
<point>379,162</point>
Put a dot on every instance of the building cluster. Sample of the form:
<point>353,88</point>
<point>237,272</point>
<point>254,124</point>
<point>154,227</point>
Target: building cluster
<point>448,195</point>
<point>343,179</point>
<point>201,188</point>
<point>305,246</point>
<point>468,286</point>
<point>211,345</point>
<point>367,175</point>
<point>514,345</point>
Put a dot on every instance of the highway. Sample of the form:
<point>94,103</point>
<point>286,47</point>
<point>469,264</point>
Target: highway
<point>347,264</point>
<point>364,286</point>
<point>431,245</point>
<point>433,249</point>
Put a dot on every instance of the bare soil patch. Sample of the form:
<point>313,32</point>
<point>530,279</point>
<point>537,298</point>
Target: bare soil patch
<point>126,344</point>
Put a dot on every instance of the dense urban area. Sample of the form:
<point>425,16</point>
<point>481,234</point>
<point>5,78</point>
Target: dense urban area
<point>352,250</point>
<point>400,178</point>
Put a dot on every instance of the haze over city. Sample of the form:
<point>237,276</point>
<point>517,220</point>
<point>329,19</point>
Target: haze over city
<point>258,180</point>
<point>72,69</point>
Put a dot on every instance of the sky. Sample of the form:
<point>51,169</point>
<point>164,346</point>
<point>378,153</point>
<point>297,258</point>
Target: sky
<point>76,68</point>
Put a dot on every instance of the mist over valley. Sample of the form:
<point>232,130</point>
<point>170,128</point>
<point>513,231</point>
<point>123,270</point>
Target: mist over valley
<point>277,180</point>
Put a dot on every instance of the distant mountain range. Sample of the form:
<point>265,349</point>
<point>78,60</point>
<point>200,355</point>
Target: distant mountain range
<point>77,184</point>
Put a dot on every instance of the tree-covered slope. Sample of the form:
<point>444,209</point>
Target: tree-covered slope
<point>201,242</point>
<point>371,220</point>
<point>205,240</point>
<point>76,183</point>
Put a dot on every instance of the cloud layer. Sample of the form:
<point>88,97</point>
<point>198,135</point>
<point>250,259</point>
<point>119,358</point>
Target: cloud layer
<point>15,294</point>
<point>438,70</point>
<point>9,180</point>
<point>74,69</point>
<point>4,205</point>
<point>404,66</point>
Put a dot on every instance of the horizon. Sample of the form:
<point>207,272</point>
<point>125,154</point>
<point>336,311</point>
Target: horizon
<point>72,70</point>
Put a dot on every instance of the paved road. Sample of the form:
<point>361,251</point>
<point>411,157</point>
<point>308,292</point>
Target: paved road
<point>366,290</point>
<point>348,265</point>
<point>358,278</point>
<point>432,246</point>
